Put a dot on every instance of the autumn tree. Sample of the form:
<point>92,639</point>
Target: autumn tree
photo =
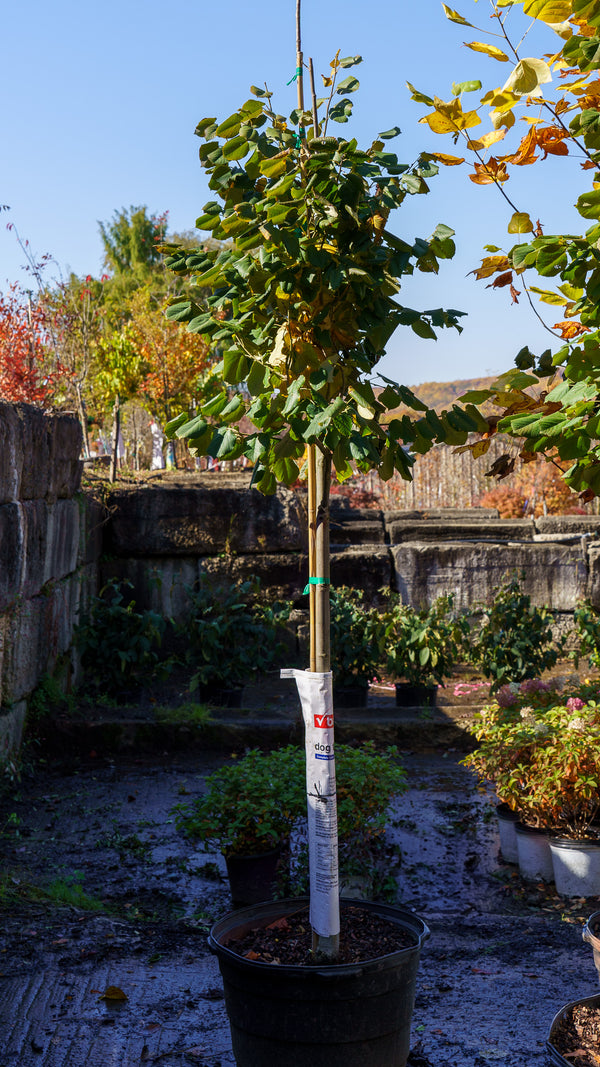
<point>174,360</point>
<point>75,315</point>
<point>552,401</point>
<point>26,371</point>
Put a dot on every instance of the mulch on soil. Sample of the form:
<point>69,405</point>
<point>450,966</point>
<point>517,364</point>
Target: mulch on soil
<point>288,940</point>
<point>577,1036</point>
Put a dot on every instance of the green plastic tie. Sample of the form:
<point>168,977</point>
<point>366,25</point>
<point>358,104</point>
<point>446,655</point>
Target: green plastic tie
<point>298,74</point>
<point>315,581</point>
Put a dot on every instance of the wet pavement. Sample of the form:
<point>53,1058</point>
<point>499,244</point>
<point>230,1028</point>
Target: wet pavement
<point>105,909</point>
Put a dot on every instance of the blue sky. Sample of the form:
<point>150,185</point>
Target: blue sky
<point>99,105</point>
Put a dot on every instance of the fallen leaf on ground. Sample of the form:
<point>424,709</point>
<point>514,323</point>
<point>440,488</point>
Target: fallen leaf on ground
<point>112,992</point>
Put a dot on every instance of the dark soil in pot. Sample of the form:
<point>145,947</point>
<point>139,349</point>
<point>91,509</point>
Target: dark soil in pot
<point>576,1034</point>
<point>288,940</point>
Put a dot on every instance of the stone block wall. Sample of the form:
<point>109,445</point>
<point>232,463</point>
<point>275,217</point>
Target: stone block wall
<point>49,549</point>
<point>57,547</point>
<point>162,536</point>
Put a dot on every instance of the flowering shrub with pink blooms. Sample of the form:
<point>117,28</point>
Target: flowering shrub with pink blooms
<point>531,691</point>
<point>543,762</point>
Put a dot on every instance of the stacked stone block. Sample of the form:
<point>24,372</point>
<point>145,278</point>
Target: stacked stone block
<point>44,553</point>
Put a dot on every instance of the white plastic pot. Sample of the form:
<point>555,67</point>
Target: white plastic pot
<point>535,858</point>
<point>576,867</point>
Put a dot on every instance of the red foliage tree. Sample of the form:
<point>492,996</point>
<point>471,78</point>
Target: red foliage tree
<point>25,374</point>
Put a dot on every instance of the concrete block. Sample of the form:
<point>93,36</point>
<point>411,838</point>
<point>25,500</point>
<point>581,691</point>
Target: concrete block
<point>35,477</point>
<point>369,569</point>
<point>553,575</point>
<point>26,651</point>
<point>568,524</point>
<point>358,532</point>
<point>159,584</point>
<point>11,453</point>
<point>62,542</point>
<point>436,530</point>
<point>593,588</point>
<point>61,614</point>
<point>35,538</point>
<point>65,439</point>
<point>186,520</point>
<point>282,576</point>
<point>443,514</point>
<point>12,722</point>
<point>92,521</point>
<point>11,553</point>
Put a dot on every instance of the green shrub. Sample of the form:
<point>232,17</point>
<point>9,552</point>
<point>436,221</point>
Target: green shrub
<point>515,641</point>
<point>587,635</point>
<point>117,644</point>
<point>231,634</point>
<point>423,647</point>
<point>357,639</point>
<point>254,802</point>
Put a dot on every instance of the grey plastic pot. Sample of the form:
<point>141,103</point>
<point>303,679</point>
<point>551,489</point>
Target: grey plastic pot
<point>554,1055</point>
<point>334,1015</point>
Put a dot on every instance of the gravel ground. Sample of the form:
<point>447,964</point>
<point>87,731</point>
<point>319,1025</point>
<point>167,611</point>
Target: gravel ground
<point>98,890</point>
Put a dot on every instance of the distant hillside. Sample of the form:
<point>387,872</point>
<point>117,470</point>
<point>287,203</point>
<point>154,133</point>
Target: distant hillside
<point>440,395</point>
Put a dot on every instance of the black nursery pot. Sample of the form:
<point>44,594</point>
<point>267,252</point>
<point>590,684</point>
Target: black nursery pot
<point>331,1015</point>
<point>350,696</point>
<point>415,696</point>
<point>252,878</point>
<point>220,695</point>
<point>554,1055</point>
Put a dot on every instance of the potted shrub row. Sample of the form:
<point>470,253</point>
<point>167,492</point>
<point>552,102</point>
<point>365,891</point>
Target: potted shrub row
<point>540,751</point>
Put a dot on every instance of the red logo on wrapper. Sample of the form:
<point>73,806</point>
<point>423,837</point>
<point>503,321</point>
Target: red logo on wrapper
<point>324,722</point>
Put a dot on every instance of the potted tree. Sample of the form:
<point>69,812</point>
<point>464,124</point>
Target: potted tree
<point>422,648</point>
<point>303,273</point>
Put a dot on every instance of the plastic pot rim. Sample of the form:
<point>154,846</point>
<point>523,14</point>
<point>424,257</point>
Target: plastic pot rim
<point>332,970</point>
<point>556,1056</point>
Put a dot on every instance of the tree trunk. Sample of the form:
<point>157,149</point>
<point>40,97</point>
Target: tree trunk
<point>114,452</point>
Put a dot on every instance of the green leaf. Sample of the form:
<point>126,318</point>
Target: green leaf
<point>350,61</point>
<point>419,97</point>
<point>273,168</point>
<point>465,87</point>
<point>215,406</point>
<point>236,366</point>
<point>194,428</point>
<point>388,134</point>
<point>237,148</point>
<point>286,470</point>
<point>230,127</point>
<point>588,205</point>
<point>175,423</point>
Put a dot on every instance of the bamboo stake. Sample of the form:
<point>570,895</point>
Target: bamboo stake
<point>319,477</point>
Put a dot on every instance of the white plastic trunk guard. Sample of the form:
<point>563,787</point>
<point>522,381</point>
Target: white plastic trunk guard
<point>317,710</point>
